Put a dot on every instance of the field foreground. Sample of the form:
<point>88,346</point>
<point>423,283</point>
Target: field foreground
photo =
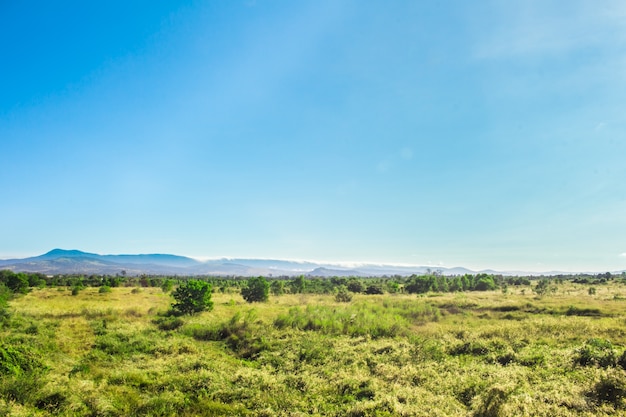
<point>455,354</point>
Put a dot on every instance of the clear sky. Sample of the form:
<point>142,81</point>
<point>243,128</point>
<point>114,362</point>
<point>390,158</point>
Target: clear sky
<point>484,134</point>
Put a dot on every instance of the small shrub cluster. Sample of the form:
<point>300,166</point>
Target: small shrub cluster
<point>105,289</point>
<point>169,323</point>
<point>610,390</point>
<point>18,360</point>
<point>601,353</point>
<point>242,333</point>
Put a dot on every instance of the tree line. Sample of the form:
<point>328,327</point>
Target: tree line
<point>21,282</point>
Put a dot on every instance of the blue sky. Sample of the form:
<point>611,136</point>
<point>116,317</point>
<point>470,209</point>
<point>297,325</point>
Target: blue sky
<point>487,134</point>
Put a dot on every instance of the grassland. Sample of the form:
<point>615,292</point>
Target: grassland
<point>454,354</point>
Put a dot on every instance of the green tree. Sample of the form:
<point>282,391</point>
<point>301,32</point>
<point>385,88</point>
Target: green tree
<point>5,294</point>
<point>442,283</point>
<point>167,285</point>
<point>258,290</point>
<point>356,286</point>
<point>393,287</point>
<point>420,284</point>
<point>466,282</point>
<point>277,287</point>
<point>484,282</point>
<point>18,283</point>
<point>456,284</point>
<point>298,285</point>
<point>193,297</point>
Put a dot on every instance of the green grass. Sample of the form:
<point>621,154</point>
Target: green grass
<point>467,354</point>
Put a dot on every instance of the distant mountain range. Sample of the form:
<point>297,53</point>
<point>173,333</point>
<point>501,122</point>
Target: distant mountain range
<point>60,261</point>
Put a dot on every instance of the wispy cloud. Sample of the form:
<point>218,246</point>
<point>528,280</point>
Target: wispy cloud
<point>538,28</point>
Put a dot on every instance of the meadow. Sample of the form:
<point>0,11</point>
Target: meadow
<point>489,353</point>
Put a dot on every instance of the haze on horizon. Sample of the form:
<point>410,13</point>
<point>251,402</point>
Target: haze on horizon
<point>478,134</point>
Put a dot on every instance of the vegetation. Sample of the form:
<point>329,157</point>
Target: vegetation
<point>257,290</point>
<point>311,351</point>
<point>193,297</point>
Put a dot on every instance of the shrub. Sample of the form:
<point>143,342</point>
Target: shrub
<point>16,360</point>
<point>257,290</point>
<point>104,289</point>
<point>167,285</point>
<point>168,323</point>
<point>5,294</point>
<point>577,311</point>
<point>121,344</point>
<point>492,402</point>
<point>611,389</point>
<point>241,334</point>
<point>21,389</point>
<point>193,297</point>
<point>596,352</point>
<point>374,289</point>
<point>343,296</point>
<point>52,403</point>
<point>18,283</point>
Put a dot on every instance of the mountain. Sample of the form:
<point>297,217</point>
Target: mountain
<point>327,272</point>
<point>61,261</point>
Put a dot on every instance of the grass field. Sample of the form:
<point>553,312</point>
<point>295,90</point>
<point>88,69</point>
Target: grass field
<point>454,354</point>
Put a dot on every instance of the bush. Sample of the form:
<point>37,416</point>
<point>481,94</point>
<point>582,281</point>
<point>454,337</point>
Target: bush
<point>374,289</point>
<point>258,290</point>
<point>596,352</point>
<point>169,323</point>
<point>17,360</point>
<point>193,297</point>
<point>18,283</point>
<point>241,334</point>
<point>343,296</point>
<point>611,389</point>
<point>167,285</point>
<point>104,289</point>
<point>5,294</point>
<point>492,402</point>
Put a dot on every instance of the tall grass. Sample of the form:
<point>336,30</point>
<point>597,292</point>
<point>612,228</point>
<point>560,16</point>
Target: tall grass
<point>389,318</point>
<point>487,354</point>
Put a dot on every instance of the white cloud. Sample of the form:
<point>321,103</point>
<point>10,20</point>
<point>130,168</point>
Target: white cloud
<point>623,254</point>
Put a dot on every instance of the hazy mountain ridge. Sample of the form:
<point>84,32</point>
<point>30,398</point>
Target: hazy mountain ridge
<point>61,261</point>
